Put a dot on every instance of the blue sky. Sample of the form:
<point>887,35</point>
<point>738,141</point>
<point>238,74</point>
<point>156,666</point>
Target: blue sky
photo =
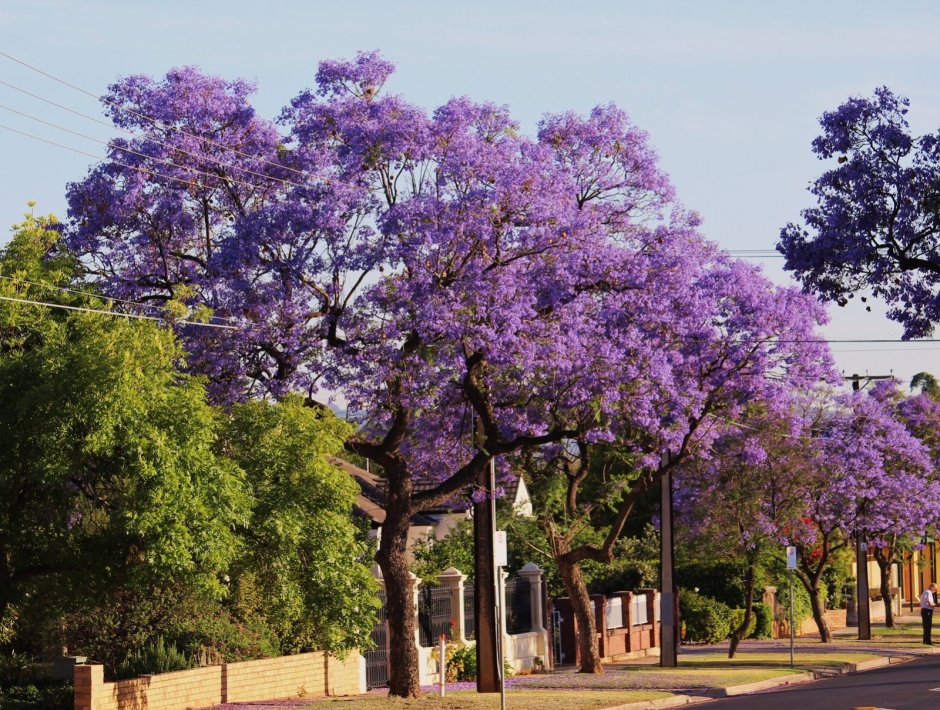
<point>728,90</point>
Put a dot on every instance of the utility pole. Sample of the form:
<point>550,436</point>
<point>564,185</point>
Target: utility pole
<point>861,546</point>
<point>669,603</point>
<point>484,587</point>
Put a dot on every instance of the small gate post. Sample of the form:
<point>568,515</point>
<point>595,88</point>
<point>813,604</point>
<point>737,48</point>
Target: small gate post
<point>535,575</point>
<point>415,601</point>
<point>454,579</point>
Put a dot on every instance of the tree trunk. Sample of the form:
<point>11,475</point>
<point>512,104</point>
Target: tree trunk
<point>403,678</point>
<point>819,612</point>
<point>584,614</point>
<point>884,565</point>
<point>738,634</point>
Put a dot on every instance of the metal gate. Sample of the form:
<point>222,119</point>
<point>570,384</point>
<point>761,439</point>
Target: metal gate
<point>434,613</point>
<point>377,657</point>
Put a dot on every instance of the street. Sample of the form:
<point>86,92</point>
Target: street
<point>907,685</point>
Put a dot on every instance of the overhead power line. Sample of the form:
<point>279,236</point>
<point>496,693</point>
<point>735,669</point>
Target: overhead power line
<point>131,151</point>
<point>98,157</point>
<point>154,139</point>
<point>63,289</point>
<point>143,117</point>
<point>138,316</point>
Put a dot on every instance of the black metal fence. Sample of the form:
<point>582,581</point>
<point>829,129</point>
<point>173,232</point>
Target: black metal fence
<point>469,612</point>
<point>377,657</point>
<point>518,606</point>
<point>434,613</point>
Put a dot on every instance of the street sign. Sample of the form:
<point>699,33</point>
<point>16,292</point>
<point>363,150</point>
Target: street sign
<point>791,557</point>
<point>500,553</point>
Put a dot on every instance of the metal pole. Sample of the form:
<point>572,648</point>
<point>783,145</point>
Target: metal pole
<point>443,666</point>
<point>864,608</point>
<point>499,624</point>
<point>791,619</point>
<point>669,623</point>
<point>500,674</point>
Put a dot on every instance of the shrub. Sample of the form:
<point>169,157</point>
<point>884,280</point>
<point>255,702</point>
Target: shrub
<point>764,622</point>
<point>462,664</point>
<point>737,616</point>
<point>705,620</point>
<point>721,581</point>
<point>40,695</point>
<point>218,636</point>
<point>201,629</point>
<point>23,687</point>
<point>16,669</point>
<point>155,657</point>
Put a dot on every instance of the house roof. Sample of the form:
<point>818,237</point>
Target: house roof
<point>370,501</point>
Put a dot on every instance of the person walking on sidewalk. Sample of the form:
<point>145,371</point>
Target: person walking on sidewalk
<point>928,600</point>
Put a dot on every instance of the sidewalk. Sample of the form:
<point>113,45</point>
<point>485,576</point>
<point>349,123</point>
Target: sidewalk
<point>704,673</point>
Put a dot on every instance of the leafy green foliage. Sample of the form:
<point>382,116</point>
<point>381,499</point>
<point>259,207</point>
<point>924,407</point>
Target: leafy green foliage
<point>704,620</point>
<point>156,657</point>
<point>431,556</point>
<point>764,622</point>
<point>736,619</point>
<point>46,694</point>
<point>635,565</point>
<point>23,686</point>
<point>714,579</point>
<point>303,567</point>
<point>132,509</point>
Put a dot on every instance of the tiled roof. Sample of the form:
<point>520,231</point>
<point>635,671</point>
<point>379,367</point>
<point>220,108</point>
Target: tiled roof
<point>371,499</point>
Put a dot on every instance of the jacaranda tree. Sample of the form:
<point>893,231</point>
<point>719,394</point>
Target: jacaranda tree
<point>860,474</point>
<point>468,290</point>
<point>876,223</point>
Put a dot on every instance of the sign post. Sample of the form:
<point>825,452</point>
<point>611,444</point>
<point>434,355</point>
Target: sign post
<point>443,666</point>
<point>500,560</point>
<point>791,565</point>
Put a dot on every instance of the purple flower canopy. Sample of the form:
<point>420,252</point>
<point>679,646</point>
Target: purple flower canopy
<point>435,269</point>
<point>876,223</point>
<point>852,464</point>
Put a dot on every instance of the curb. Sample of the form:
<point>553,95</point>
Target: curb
<point>672,702</point>
<point>746,688</point>
<point>879,662</point>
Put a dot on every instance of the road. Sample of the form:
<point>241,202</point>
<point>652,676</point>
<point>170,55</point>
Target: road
<point>915,684</point>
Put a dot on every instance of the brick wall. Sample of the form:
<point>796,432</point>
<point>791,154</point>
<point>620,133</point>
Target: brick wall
<point>306,674</point>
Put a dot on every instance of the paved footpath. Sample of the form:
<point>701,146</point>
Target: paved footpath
<point>904,686</point>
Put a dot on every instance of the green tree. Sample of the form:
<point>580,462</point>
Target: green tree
<point>108,470</point>
<point>927,384</point>
<point>303,564</point>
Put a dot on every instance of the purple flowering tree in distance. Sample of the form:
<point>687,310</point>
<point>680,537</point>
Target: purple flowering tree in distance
<point>730,502</point>
<point>862,473</point>
<point>876,223</point>
<point>921,415</point>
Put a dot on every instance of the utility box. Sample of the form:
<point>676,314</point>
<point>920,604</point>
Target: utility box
<point>64,666</point>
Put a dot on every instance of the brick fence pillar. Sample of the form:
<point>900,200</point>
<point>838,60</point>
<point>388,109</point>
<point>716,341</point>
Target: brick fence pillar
<point>88,680</point>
